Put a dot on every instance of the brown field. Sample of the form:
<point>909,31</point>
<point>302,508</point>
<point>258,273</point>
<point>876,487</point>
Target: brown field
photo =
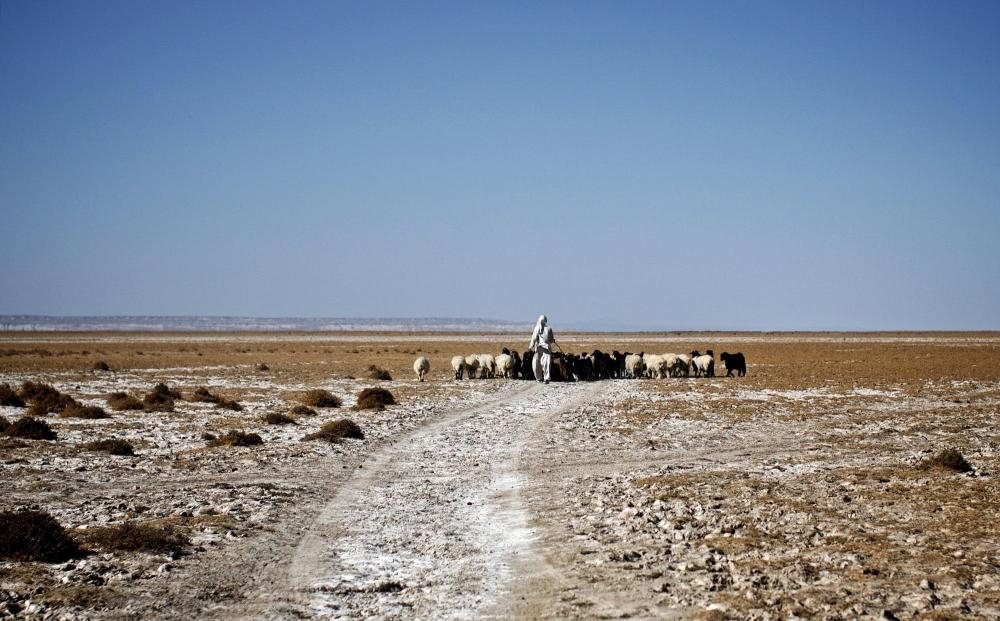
<point>798,491</point>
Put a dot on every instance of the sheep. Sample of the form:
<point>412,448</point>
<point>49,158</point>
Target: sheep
<point>458,364</point>
<point>487,365</point>
<point>471,365</point>
<point>654,365</point>
<point>633,365</point>
<point>704,365</point>
<point>527,370</point>
<point>734,362</point>
<point>505,365</point>
<point>682,368</point>
<point>421,366</point>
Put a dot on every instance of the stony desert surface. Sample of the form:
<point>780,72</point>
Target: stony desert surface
<point>813,487</point>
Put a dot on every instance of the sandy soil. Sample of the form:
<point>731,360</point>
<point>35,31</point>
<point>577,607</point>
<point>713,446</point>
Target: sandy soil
<point>795,492</point>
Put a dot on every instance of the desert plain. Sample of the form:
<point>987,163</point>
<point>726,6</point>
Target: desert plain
<point>822,485</point>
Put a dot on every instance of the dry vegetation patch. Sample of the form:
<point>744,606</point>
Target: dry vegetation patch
<point>133,537</point>
<point>319,398</point>
<point>78,410</point>
<point>114,446</point>
<point>947,459</point>
<point>121,402</point>
<point>30,428</point>
<point>277,418</point>
<point>376,372</point>
<point>303,410</point>
<point>374,398</point>
<point>9,397</point>
<point>44,399</point>
<point>160,399</point>
<point>236,438</point>
<point>30,535</point>
<point>337,430</point>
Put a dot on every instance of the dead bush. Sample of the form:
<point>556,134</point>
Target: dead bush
<point>29,535</point>
<point>113,446</point>
<point>100,365</point>
<point>120,402</point>
<point>4,424</point>
<point>134,537</point>
<point>262,367</point>
<point>9,397</point>
<point>303,410</point>
<point>337,430</point>
<point>319,398</point>
<point>378,373</point>
<point>160,399</point>
<point>229,404</point>
<point>237,438</point>
<point>277,418</point>
<point>44,399</point>
<point>78,410</point>
<point>30,428</point>
<point>374,398</point>
<point>947,459</point>
<point>203,395</point>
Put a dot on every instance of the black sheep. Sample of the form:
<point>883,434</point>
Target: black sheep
<point>734,362</point>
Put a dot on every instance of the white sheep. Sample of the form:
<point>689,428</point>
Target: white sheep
<point>654,365</point>
<point>421,366</point>
<point>505,366</point>
<point>704,365</point>
<point>458,364</point>
<point>487,365</point>
<point>633,365</point>
<point>682,368</point>
<point>471,365</point>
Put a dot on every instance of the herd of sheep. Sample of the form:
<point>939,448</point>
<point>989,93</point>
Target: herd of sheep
<point>596,365</point>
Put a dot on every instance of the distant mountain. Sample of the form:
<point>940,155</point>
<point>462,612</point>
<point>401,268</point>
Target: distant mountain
<point>143,323</point>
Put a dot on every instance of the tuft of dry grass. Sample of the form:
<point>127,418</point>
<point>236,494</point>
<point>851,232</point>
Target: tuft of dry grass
<point>237,438</point>
<point>35,536</point>
<point>9,397</point>
<point>262,367</point>
<point>277,418</point>
<point>378,373</point>
<point>114,446</point>
<point>100,365</point>
<point>4,424</point>
<point>44,399</point>
<point>78,410</point>
<point>947,459</point>
<point>303,410</point>
<point>160,399</point>
<point>30,428</point>
<point>120,402</point>
<point>229,404</point>
<point>132,537</point>
<point>337,430</point>
<point>374,398</point>
<point>319,398</point>
<point>204,395</point>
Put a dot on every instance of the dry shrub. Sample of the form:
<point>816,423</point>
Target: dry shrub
<point>203,395</point>
<point>277,418</point>
<point>113,446</point>
<point>44,399</point>
<point>78,410</point>
<point>319,398</point>
<point>4,424</point>
<point>237,438</point>
<point>30,428</point>
<point>35,536</point>
<point>262,367</point>
<point>303,410</point>
<point>378,373</point>
<point>137,537</point>
<point>100,365</point>
<point>337,430</point>
<point>9,397</point>
<point>948,459</point>
<point>160,399</point>
<point>120,401</point>
<point>229,404</point>
<point>374,398</point>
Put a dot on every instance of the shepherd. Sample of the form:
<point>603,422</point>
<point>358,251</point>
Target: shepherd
<point>542,340</point>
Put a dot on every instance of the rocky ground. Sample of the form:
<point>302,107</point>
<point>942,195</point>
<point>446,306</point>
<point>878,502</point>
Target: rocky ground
<point>799,491</point>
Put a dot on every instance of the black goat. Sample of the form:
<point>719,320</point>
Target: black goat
<point>734,362</point>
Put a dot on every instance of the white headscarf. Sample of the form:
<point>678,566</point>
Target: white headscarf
<point>542,319</point>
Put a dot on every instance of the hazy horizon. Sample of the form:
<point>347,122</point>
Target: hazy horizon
<point>682,166</point>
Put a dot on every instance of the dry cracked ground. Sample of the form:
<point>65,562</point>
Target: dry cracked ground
<point>807,489</point>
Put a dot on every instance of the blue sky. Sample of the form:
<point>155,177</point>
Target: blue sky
<point>692,165</point>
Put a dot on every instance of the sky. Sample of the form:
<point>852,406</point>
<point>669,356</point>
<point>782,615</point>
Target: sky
<point>662,165</point>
